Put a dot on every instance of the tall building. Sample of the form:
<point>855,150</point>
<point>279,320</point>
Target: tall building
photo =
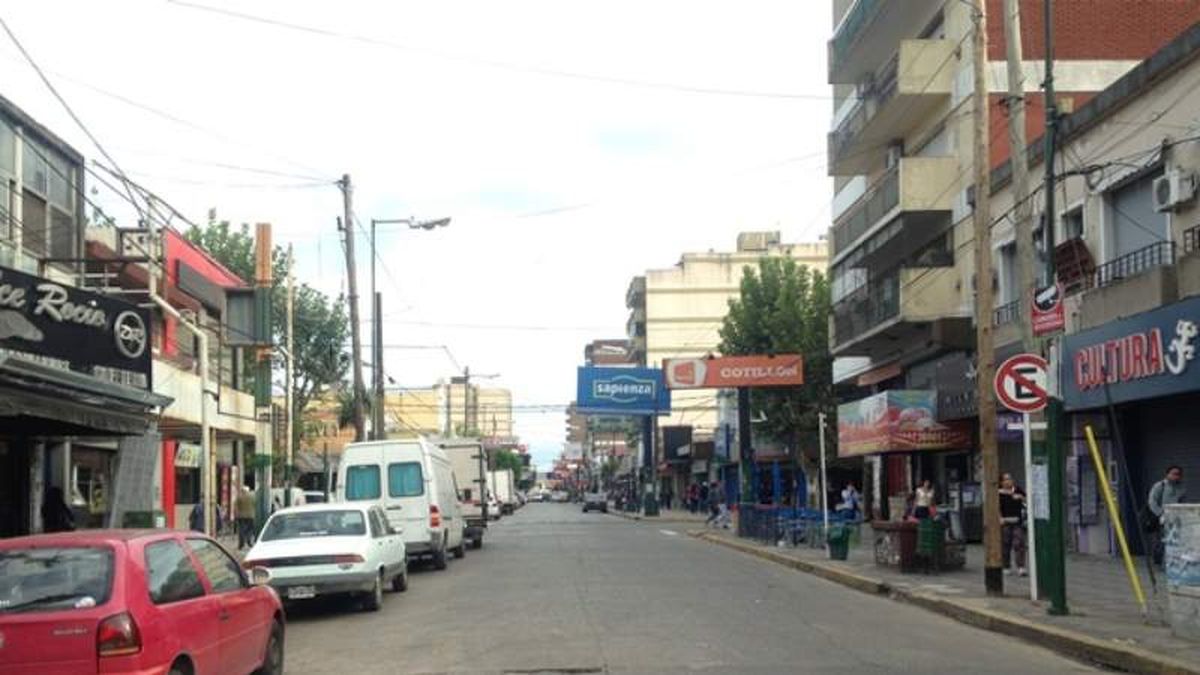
<point>678,311</point>
<point>449,408</point>
<point>901,153</point>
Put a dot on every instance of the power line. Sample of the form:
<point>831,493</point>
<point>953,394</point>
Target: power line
<point>502,65</point>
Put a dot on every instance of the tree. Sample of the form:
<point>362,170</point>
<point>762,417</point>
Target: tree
<point>784,308</point>
<point>507,459</point>
<point>321,324</point>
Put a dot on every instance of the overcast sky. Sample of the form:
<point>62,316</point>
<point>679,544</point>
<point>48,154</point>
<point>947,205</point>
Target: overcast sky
<point>574,143</point>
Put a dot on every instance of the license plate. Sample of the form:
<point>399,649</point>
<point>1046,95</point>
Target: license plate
<point>301,592</point>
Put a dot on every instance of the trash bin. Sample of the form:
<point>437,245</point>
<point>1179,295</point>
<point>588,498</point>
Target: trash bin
<point>839,542</point>
<point>1181,537</point>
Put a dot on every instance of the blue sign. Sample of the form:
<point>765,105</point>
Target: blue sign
<point>622,391</point>
<point>1143,356</point>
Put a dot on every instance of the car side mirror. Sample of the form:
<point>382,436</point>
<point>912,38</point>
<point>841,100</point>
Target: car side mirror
<point>260,576</point>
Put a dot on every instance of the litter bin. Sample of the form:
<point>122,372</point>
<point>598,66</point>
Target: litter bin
<point>1181,537</point>
<point>839,542</point>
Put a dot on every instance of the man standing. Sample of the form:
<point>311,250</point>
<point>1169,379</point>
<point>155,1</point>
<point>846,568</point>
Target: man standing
<point>245,508</point>
<point>1012,519</point>
<point>1165,492</point>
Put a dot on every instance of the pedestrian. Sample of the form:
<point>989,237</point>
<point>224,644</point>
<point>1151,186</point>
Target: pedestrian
<point>56,515</point>
<point>851,501</point>
<point>924,500</point>
<point>714,504</point>
<point>1012,523</point>
<point>196,516</point>
<point>666,497</point>
<point>693,497</point>
<point>244,509</point>
<point>1165,492</point>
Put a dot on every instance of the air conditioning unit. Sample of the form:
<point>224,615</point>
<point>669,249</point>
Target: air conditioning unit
<point>1173,188</point>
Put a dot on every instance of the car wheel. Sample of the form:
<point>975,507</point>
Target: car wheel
<point>478,543</point>
<point>440,561</point>
<point>180,667</point>
<point>400,581</point>
<point>461,551</point>
<point>273,658</point>
<point>374,599</point>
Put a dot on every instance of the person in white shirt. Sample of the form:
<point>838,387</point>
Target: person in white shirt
<point>924,500</point>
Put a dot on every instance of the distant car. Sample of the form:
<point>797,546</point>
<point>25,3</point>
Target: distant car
<point>595,501</point>
<point>495,508</point>
<point>331,549</point>
<point>314,497</point>
<point>133,601</point>
<point>560,496</point>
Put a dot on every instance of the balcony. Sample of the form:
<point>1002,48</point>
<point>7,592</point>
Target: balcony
<point>911,306</point>
<point>868,33</point>
<point>892,101</point>
<point>635,296</point>
<point>635,327</point>
<point>1135,282</point>
<point>903,210</point>
<point>231,413</point>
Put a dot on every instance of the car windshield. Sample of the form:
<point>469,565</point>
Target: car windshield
<point>309,524</point>
<point>43,579</point>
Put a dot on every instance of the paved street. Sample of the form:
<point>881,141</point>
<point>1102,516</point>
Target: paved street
<point>554,590</point>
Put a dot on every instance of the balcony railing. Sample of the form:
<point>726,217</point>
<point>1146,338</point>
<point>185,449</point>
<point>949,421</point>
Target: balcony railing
<point>848,31</point>
<point>1007,313</point>
<point>1159,254</point>
<point>866,308</point>
<point>871,98</point>
<point>881,199</point>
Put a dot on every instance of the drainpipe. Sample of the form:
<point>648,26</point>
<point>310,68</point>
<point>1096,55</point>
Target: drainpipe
<point>207,451</point>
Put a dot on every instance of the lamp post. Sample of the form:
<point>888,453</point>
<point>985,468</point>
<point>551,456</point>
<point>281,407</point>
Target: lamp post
<point>377,423</point>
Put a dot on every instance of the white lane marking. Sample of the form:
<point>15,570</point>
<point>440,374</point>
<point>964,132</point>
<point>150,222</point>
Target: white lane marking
<point>670,533</point>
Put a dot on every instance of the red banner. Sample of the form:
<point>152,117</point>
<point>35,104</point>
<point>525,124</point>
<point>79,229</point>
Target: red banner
<point>782,370</point>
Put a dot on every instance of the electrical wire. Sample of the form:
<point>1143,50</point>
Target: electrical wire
<point>497,64</point>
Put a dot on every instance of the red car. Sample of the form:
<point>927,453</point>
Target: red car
<point>133,601</point>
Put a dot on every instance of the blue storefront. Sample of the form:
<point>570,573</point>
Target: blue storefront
<point>1145,367</point>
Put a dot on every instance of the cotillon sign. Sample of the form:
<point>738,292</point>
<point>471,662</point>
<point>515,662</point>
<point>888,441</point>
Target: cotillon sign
<point>781,370</point>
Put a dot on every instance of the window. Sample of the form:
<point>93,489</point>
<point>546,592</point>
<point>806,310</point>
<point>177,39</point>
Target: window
<point>310,524</point>
<point>1132,220</point>
<point>405,480</point>
<point>8,150</point>
<point>362,482</point>
<point>1072,223</point>
<point>54,579</point>
<point>1007,264</point>
<point>33,224</point>
<point>170,576</point>
<point>222,571</point>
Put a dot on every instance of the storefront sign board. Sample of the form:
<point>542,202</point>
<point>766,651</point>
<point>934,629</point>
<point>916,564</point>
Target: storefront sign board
<point>781,370</point>
<point>896,421</point>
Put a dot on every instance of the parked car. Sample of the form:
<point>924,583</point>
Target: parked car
<point>595,501</point>
<point>133,601</point>
<point>501,482</point>
<point>560,496</point>
<point>314,497</point>
<point>495,509</point>
<point>469,460</point>
<point>331,549</point>
<point>413,481</point>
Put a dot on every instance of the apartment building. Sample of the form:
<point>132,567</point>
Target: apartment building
<point>1127,220</point>
<point>900,149</point>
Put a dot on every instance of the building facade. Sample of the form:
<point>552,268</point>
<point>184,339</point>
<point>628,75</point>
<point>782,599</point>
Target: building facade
<point>900,150</point>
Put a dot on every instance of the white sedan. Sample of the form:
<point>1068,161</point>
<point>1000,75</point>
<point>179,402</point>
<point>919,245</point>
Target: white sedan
<point>328,549</point>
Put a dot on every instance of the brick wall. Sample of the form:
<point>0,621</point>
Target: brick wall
<point>1035,118</point>
<point>1095,29</point>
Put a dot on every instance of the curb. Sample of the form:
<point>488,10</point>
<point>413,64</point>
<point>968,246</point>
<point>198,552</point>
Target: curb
<point>654,519</point>
<point>1068,642</point>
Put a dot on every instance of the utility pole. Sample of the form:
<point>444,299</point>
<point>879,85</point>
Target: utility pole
<point>289,373</point>
<point>1054,572</point>
<point>986,368</point>
<point>377,417</point>
<point>360,432</point>
<point>1020,172</point>
<point>263,282</point>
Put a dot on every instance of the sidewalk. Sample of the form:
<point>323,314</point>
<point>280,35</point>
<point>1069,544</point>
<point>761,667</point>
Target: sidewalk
<point>665,516</point>
<point>1104,625</point>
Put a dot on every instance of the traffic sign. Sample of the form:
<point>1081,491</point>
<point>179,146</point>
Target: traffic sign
<point>1047,308</point>
<point>1021,383</point>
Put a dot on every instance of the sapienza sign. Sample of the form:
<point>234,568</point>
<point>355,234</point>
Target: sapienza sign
<point>1143,356</point>
<point>622,391</point>
<point>72,329</point>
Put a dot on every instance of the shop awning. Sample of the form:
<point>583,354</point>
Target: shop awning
<point>43,401</point>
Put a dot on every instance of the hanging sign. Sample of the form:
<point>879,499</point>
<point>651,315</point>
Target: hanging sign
<point>1047,307</point>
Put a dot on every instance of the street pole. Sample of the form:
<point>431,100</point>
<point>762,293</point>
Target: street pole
<point>993,567</point>
<point>377,415</point>
<point>264,279</point>
<point>1054,571</point>
<point>824,477</point>
<point>466,398</point>
<point>1022,209</point>
<point>290,371</point>
<point>360,433</point>
<point>749,493</point>
<point>1030,495</point>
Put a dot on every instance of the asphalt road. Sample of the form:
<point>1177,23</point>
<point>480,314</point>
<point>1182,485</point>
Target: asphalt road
<point>554,590</point>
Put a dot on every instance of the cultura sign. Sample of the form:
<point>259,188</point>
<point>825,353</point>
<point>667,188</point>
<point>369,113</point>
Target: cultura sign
<point>1142,356</point>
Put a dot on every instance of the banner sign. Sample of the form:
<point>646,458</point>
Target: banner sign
<point>1142,356</point>
<point>71,329</point>
<point>621,391</point>
<point>896,421</point>
<point>781,370</point>
<point>187,456</point>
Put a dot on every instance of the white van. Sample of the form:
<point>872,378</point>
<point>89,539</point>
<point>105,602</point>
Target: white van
<point>502,486</point>
<point>469,460</point>
<point>414,483</point>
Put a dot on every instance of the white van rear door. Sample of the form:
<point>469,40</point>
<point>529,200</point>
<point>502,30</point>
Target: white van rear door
<point>406,498</point>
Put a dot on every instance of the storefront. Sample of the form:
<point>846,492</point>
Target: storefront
<point>1143,367</point>
<point>75,403</point>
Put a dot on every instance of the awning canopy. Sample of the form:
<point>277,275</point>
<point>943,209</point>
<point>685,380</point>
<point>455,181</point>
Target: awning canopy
<point>42,401</point>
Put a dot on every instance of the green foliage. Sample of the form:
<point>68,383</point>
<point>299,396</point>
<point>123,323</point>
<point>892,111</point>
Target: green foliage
<point>321,323</point>
<point>784,308</point>
<point>507,459</point>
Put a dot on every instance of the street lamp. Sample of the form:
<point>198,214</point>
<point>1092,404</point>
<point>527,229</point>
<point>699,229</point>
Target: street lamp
<point>377,424</point>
